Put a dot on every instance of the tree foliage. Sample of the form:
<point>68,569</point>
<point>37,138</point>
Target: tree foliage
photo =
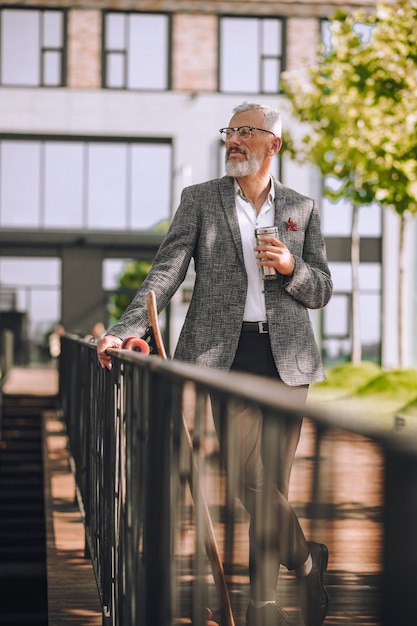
<point>359,104</point>
<point>358,108</point>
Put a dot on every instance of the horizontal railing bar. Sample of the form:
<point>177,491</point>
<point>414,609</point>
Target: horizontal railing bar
<point>272,395</point>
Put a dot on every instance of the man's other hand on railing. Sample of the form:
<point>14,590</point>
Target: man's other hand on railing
<point>108,341</point>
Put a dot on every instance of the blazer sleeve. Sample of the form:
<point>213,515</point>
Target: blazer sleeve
<point>311,282</point>
<point>168,270</point>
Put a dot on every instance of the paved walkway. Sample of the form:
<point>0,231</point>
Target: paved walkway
<point>39,381</point>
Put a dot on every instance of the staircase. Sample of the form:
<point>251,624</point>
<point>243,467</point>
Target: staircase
<point>23,575</point>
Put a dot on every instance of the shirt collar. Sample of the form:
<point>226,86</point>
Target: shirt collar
<point>271,194</point>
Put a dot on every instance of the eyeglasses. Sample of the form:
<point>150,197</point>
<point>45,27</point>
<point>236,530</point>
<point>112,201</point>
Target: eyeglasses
<point>244,132</point>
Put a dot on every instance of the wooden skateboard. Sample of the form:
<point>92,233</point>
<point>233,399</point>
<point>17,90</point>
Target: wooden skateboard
<point>151,342</point>
<point>154,345</point>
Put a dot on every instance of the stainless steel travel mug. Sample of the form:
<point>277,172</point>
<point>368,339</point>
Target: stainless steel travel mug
<point>268,273</point>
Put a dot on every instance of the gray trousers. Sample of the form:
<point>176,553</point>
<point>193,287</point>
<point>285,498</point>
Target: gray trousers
<point>258,454</point>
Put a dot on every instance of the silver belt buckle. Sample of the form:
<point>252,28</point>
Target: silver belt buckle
<point>263,328</point>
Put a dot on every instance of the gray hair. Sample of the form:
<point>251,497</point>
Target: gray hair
<point>272,117</point>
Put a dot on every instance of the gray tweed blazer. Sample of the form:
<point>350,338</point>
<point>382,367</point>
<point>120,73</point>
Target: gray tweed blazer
<point>205,228</point>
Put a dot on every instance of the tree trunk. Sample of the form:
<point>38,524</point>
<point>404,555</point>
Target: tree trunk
<point>401,289</point>
<point>355,259</point>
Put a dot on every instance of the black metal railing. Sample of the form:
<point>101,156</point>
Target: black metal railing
<point>157,506</point>
<point>6,364</point>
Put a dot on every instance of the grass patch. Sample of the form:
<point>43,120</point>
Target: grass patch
<point>400,383</point>
<point>350,377</point>
<point>368,393</point>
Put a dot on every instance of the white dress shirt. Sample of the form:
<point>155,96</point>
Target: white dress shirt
<point>249,220</point>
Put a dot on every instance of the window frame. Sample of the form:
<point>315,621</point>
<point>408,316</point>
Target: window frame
<point>262,57</point>
<point>86,141</point>
<point>105,53</point>
<point>42,48</point>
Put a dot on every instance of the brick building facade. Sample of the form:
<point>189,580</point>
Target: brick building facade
<point>172,105</point>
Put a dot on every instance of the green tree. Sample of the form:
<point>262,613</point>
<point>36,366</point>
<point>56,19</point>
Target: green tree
<point>129,281</point>
<point>357,104</point>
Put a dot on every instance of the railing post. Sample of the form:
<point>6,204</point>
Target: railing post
<point>399,597</point>
<point>157,524</point>
<point>6,351</point>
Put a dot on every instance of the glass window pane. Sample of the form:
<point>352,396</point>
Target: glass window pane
<point>63,185</point>
<point>36,282</point>
<point>336,316</point>
<point>151,184</point>
<point>148,39</point>
<point>239,55</point>
<point>341,276</point>
<point>20,48</point>
<point>23,298</point>
<point>370,318</point>
<point>107,186</point>
<point>52,68</point>
<point>45,309</point>
<point>115,70</point>
<point>112,269</point>
<point>370,221</point>
<point>271,75</point>
<point>336,218</point>
<point>326,36</point>
<point>364,31</point>
<point>53,29</point>
<point>272,37</point>
<point>19,183</point>
<point>336,351</point>
<point>30,271</point>
<point>370,276</point>
<point>115,31</point>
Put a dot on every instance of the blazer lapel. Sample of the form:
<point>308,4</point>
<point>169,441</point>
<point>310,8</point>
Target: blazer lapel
<point>227,194</point>
<point>279,203</point>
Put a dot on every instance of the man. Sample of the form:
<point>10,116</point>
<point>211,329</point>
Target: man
<point>239,321</point>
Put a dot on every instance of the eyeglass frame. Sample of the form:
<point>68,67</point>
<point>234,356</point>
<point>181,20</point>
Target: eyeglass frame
<point>237,130</point>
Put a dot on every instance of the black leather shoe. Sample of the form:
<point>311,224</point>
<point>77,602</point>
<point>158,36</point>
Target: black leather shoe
<point>314,598</point>
<point>268,615</point>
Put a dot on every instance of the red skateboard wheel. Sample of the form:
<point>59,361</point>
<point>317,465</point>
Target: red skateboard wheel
<point>137,344</point>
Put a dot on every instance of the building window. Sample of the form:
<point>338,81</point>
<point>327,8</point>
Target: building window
<point>251,55</point>
<point>84,183</point>
<point>363,30</point>
<point>35,283</point>
<point>32,47</point>
<point>337,315</point>
<point>136,51</point>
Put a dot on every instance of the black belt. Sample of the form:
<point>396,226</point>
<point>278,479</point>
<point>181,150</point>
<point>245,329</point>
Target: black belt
<point>255,327</point>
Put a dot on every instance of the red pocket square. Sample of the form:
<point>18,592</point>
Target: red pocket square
<point>291,225</point>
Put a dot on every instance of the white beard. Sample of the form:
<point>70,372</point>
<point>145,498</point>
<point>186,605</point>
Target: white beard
<point>242,168</point>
